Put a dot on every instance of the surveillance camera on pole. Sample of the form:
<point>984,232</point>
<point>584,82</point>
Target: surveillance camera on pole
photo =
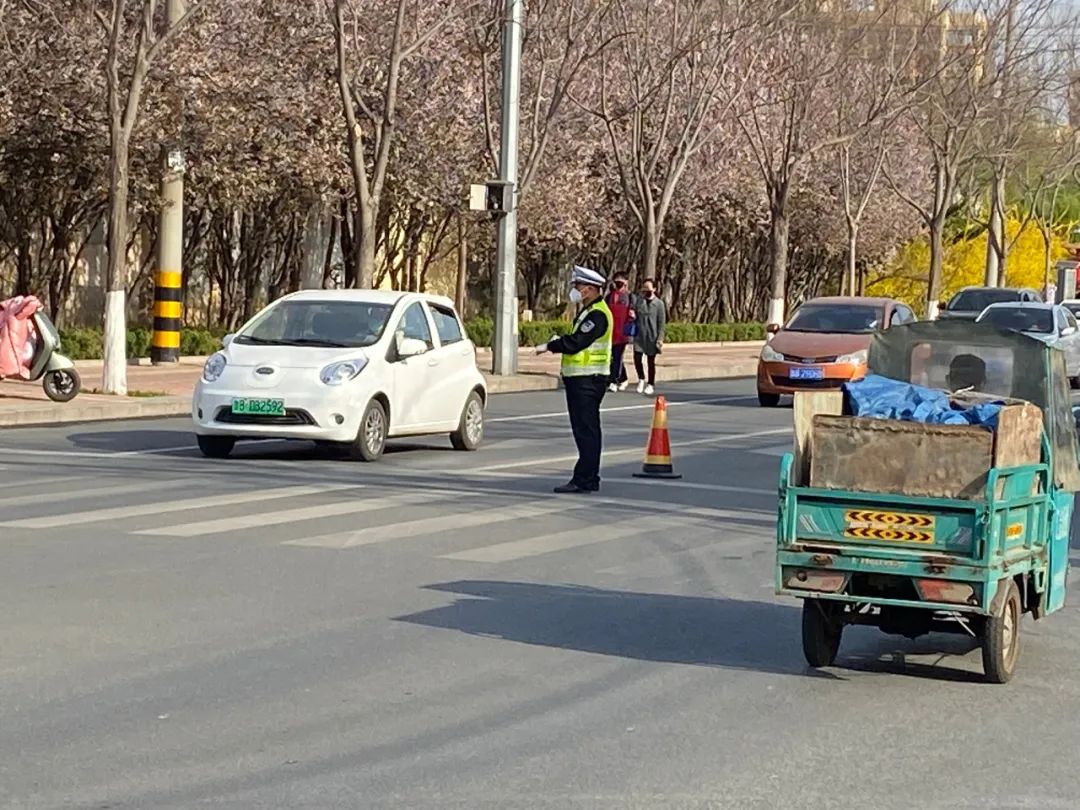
<point>495,197</point>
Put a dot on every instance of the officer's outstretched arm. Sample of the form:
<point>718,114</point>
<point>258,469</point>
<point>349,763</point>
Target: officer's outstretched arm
<point>588,332</point>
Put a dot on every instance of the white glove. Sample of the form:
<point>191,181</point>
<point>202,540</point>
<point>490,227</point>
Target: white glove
<point>542,348</point>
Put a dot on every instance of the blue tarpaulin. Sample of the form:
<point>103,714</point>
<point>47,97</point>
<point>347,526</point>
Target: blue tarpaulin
<point>884,398</point>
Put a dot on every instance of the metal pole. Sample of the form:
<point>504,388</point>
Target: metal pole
<point>168,292</point>
<point>504,354</point>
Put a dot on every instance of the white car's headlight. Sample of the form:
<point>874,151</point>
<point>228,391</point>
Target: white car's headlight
<point>853,359</point>
<point>342,372</point>
<point>215,366</point>
<point>771,355</point>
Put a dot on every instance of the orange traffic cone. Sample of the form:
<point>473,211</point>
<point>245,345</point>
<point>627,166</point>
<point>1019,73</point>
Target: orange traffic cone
<point>658,453</point>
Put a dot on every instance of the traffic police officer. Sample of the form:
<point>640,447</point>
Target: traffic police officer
<point>586,365</point>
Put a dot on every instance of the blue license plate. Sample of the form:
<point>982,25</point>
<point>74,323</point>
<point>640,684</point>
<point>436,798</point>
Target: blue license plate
<point>811,373</point>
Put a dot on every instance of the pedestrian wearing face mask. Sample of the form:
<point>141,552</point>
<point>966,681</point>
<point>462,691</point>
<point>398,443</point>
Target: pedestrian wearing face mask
<point>586,367</point>
<point>649,341</point>
<point>620,302</point>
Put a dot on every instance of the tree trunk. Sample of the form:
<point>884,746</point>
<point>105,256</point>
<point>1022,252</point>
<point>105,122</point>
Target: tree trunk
<point>852,255</point>
<point>995,242</point>
<point>1048,258</point>
<point>114,374</point>
<point>328,262</point>
<point>365,277</point>
<point>462,266</point>
<point>650,250</point>
<point>349,236</point>
<point>779,230</point>
<point>937,255</point>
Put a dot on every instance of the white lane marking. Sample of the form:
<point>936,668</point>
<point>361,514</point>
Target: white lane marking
<point>539,462</point>
<point>428,526</point>
<point>588,535</point>
<point>646,406</point>
<point>141,510</point>
<point>53,497</point>
<point>614,483</point>
<point>49,480</point>
<point>559,541</point>
<point>297,515</point>
<point>775,450</point>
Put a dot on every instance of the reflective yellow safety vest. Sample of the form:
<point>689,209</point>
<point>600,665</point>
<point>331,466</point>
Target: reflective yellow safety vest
<point>595,359</point>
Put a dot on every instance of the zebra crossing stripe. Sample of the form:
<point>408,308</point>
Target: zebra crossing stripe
<point>55,521</point>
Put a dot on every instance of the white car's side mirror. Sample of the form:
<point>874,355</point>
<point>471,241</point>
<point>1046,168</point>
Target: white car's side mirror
<point>1068,330</point>
<point>410,347</point>
<point>225,341</point>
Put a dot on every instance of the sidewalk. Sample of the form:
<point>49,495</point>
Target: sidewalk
<point>158,391</point>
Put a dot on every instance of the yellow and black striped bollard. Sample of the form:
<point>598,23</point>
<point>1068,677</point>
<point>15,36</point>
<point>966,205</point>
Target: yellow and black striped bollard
<point>168,311</point>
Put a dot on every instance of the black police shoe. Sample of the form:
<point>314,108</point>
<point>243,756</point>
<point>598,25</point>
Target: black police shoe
<point>575,489</point>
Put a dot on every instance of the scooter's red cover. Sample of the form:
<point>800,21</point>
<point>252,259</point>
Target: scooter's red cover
<point>17,335</point>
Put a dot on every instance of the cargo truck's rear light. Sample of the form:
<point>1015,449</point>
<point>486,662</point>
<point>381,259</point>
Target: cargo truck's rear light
<point>810,579</point>
<point>942,590</point>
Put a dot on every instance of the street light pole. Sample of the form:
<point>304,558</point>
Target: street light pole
<point>168,287</point>
<point>504,354</point>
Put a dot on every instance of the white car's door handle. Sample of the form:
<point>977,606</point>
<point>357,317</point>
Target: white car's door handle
<point>433,362</point>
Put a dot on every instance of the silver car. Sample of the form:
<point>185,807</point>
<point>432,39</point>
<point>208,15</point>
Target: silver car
<point>1053,324</point>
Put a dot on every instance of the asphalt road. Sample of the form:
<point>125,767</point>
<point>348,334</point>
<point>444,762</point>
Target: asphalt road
<point>288,629</point>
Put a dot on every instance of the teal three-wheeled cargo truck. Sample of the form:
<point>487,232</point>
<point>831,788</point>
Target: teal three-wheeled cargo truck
<point>916,526</point>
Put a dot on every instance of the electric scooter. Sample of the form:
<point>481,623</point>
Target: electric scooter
<point>57,373</point>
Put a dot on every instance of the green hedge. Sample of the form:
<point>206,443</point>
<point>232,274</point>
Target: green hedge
<point>532,333</point>
<point>86,344</point>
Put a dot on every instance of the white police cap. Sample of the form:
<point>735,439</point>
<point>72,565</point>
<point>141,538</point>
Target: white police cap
<point>583,275</point>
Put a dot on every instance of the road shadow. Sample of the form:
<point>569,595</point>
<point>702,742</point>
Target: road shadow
<point>125,440</point>
<point>663,628</point>
<point>892,655</point>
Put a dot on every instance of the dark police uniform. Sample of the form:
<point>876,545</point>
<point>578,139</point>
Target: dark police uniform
<point>586,366</point>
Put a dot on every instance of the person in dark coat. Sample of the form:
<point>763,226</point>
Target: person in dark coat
<point>651,321</point>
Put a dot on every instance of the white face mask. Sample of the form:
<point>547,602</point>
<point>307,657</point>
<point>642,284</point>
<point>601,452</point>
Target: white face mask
<point>575,296</point>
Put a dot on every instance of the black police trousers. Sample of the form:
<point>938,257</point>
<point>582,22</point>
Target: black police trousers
<point>583,398</point>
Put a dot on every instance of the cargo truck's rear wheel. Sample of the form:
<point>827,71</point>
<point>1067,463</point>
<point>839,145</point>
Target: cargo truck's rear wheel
<point>822,627</point>
<point>1001,637</point>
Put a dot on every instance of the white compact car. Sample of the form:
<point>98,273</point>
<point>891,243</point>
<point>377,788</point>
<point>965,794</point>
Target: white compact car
<point>350,367</point>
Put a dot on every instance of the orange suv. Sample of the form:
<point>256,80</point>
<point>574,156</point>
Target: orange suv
<point>824,345</point>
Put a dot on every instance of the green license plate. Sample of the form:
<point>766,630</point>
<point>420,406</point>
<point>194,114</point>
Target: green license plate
<point>259,407</point>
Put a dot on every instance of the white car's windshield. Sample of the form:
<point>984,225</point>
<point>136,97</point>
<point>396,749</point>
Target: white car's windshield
<point>1038,321</point>
<point>334,324</point>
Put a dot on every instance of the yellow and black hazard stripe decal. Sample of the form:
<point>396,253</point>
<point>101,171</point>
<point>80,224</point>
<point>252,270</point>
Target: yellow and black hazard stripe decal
<point>861,517</point>
<point>896,535</point>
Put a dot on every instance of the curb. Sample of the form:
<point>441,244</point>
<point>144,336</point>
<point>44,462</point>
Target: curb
<point>47,414</point>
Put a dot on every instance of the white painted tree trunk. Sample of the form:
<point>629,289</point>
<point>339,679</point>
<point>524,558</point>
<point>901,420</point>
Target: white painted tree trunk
<point>114,380</point>
<point>776,311</point>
